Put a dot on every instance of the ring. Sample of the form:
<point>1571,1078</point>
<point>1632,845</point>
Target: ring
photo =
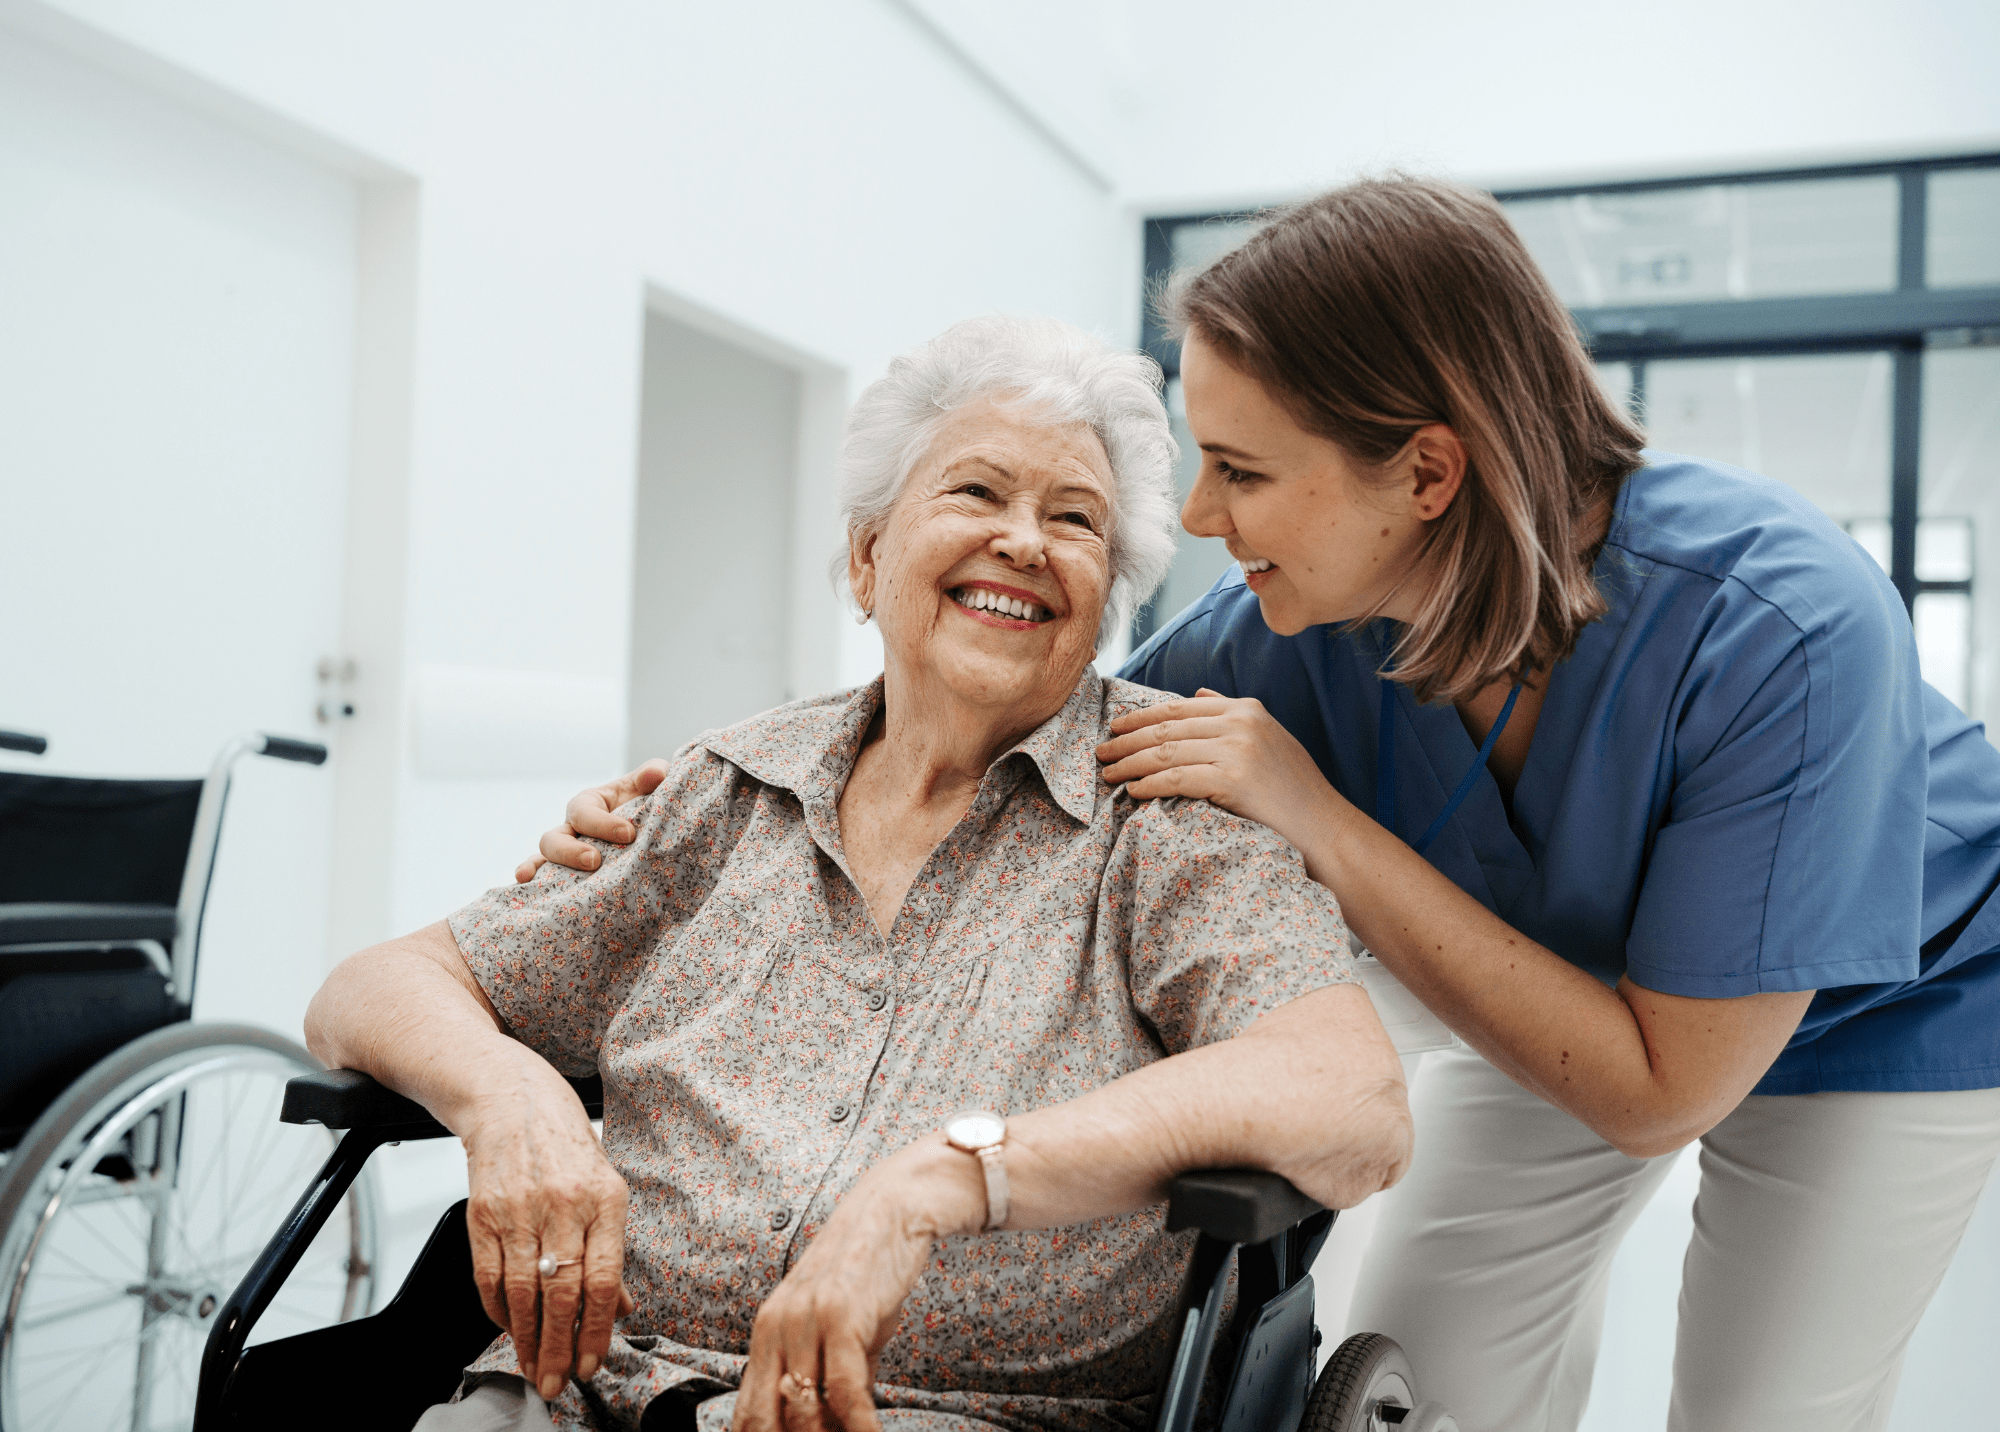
<point>547,1264</point>
<point>797,1388</point>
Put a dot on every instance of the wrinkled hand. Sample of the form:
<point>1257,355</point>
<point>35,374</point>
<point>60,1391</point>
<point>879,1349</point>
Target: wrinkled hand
<point>594,813</point>
<point>1223,749</point>
<point>816,1341</point>
<point>542,1185</point>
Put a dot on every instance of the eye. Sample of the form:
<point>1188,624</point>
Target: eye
<point>976,489</point>
<point>1081,519</point>
<point>1230,473</point>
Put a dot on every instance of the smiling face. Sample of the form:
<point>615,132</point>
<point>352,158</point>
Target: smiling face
<point>989,577</point>
<point>1321,536</point>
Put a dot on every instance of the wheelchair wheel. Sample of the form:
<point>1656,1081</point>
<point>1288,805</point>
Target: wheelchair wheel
<point>134,1206</point>
<point>1367,1386</point>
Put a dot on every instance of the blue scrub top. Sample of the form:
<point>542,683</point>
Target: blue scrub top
<point>1738,782</point>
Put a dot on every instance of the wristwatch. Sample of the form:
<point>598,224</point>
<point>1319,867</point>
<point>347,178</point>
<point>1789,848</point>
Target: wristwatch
<point>983,1134</point>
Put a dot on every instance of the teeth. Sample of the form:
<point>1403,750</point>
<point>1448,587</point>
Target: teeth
<point>1255,564</point>
<point>979,599</point>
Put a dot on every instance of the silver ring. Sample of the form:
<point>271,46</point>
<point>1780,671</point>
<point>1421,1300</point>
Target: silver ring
<point>547,1264</point>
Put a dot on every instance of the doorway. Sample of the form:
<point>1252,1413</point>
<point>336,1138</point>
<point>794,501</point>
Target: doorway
<point>712,568</point>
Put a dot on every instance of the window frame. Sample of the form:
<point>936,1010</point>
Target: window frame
<point>1902,322</point>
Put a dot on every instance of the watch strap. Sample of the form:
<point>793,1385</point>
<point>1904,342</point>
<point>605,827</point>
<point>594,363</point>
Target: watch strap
<point>993,1161</point>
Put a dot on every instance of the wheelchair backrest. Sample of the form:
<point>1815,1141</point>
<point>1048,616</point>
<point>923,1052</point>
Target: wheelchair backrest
<point>78,841</point>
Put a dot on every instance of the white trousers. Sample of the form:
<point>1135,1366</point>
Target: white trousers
<point>1823,1226</point>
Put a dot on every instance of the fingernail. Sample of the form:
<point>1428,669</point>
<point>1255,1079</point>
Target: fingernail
<point>551,1388</point>
<point>626,832</point>
<point>587,1369</point>
<point>588,860</point>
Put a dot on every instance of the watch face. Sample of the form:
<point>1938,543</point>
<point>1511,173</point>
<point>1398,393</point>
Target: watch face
<point>975,1129</point>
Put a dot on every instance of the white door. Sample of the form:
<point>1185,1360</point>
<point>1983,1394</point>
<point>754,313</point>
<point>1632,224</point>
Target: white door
<point>176,312</point>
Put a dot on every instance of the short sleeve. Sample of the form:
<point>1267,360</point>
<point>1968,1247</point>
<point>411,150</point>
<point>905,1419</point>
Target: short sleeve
<point>1224,925</point>
<point>558,956</point>
<point>1791,855</point>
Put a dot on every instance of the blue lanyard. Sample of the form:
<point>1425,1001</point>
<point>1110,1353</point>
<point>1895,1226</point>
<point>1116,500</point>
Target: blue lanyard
<point>1385,766</point>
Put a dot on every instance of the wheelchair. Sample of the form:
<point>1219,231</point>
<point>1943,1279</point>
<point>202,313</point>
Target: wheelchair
<point>1258,1370</point>
<point>142,1164</point>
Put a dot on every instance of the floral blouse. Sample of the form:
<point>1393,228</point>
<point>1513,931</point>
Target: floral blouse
<point>763,1043</point>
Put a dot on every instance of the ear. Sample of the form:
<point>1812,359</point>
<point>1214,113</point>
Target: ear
<point>1438,460</point>
<point>861,569</point>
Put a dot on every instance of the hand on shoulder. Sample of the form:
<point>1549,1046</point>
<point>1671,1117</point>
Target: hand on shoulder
<point>594,812</point>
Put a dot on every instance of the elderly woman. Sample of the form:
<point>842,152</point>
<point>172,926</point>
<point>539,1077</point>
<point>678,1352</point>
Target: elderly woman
<point>844,920</point>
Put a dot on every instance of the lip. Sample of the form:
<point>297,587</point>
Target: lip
<point>1256,581</point>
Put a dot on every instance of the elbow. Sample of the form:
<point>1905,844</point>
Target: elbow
<point>1364,1150</point>
<point>1652,1133</point>
<point>320,1042</point>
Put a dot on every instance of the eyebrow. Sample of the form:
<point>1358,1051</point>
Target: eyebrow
<point>1227,451</point>
<point>975,460</point>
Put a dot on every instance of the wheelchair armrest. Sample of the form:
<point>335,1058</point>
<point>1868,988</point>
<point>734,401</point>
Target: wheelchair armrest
<point>1236,1205</point>
<point>349,1099</point>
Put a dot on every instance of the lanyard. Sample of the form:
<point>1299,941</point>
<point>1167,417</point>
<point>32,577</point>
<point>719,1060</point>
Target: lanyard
<point>1385,766</point>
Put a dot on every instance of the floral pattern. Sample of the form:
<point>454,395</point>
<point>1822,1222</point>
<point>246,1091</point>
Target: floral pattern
<point>762,1044</point>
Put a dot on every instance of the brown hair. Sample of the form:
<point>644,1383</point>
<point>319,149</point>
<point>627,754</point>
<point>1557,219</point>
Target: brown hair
<point>1391,304</point>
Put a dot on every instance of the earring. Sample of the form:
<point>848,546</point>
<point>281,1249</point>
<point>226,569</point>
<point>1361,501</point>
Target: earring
<point>861,617</point>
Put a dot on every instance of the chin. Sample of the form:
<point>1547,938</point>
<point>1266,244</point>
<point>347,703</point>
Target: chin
<point>1283,619</point>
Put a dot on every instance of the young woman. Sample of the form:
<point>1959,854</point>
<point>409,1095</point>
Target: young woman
<point>1621,763</point>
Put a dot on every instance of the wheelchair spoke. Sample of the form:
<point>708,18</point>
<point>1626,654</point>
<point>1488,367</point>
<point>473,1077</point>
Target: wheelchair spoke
<point>71,1310</point>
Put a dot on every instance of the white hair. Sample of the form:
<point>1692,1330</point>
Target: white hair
<point>1056,371</point>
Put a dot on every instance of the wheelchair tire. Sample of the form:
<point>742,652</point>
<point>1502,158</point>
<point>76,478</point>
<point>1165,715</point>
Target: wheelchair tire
<point>1366,1377</point>
<point>132,1208</point>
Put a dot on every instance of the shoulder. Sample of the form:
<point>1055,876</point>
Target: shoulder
<point>793,746</point>
<point>1712,526</point>
<point>1754,571</point>
<point>1122,698</point>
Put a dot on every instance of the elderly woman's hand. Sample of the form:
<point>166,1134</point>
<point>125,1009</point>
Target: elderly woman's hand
<point>1226,750</point>
<point>542,1187</point>
<point>814,1346</point>
<point>594,813</point>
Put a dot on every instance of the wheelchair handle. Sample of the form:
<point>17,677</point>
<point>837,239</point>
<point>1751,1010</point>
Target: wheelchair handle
<point>284,748</point>
<point>22,741</point>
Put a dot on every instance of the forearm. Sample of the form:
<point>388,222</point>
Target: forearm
<point>1313,1091</point>
<point>397,1012</point>
<point>1554,1029</point>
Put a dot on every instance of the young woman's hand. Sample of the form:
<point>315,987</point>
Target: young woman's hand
<point>816,1341</point>
<point>594,813</point>
<point>1226,750</point>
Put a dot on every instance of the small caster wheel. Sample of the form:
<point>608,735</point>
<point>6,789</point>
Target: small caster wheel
<point>1367,1386</point>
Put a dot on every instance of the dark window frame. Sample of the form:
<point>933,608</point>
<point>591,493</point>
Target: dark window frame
<point>1902,322</point>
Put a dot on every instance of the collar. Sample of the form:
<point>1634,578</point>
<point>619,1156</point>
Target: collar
<point>809,747</point>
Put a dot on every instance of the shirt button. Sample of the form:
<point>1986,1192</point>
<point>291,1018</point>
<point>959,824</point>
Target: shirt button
<point>876,999</point>
<point>780,1217</point>
<point>837,1113</point>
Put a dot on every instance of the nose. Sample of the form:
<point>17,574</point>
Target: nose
<point>1205,514</point>
<point>1020,542</point>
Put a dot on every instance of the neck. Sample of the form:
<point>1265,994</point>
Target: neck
<point>927,746</point>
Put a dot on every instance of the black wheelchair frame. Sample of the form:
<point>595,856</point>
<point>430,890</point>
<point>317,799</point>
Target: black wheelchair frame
<point>1261,1365</point>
